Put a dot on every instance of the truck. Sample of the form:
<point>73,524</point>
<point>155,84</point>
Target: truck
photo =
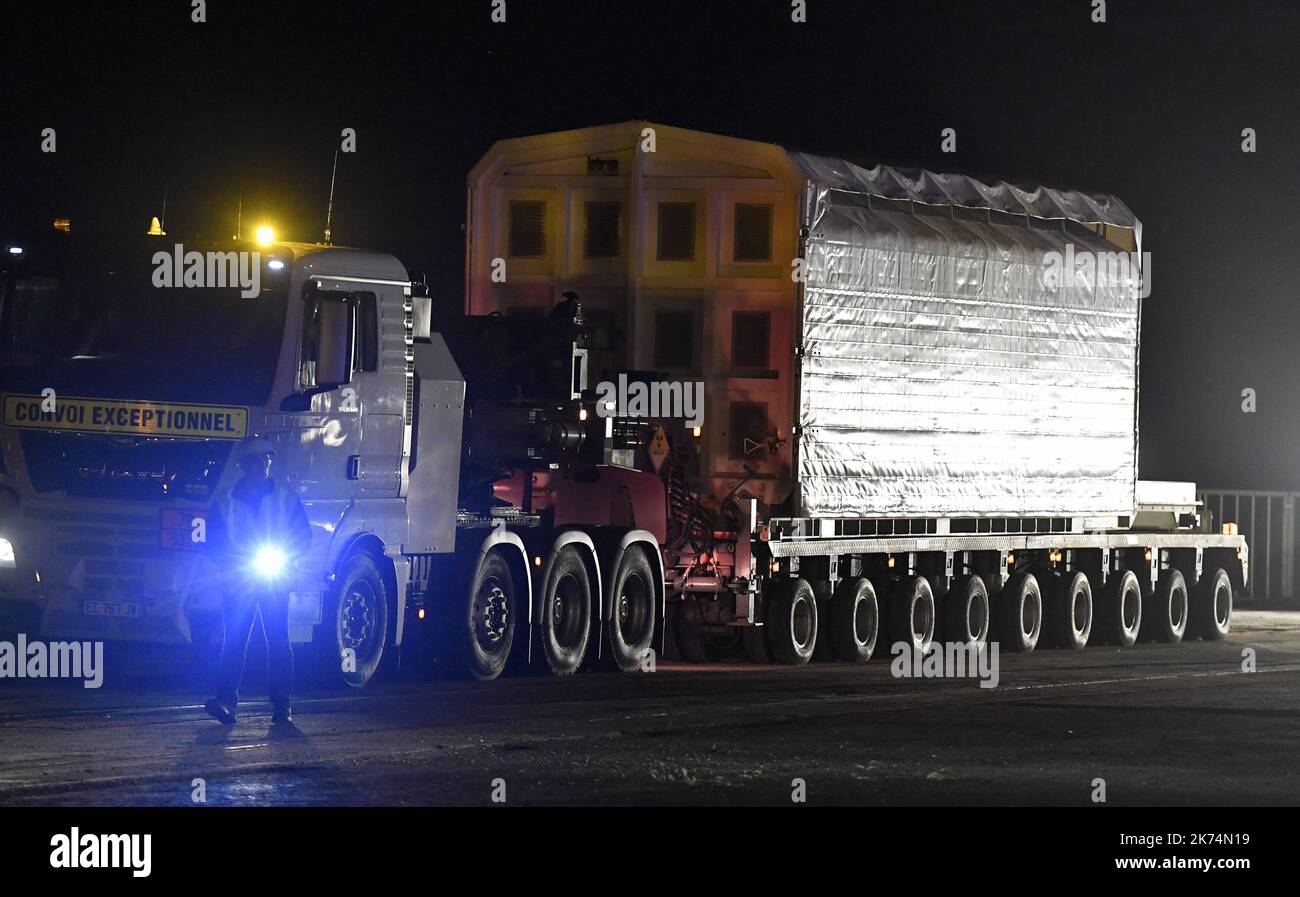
<point>125,400</point>
<point>959,462</point>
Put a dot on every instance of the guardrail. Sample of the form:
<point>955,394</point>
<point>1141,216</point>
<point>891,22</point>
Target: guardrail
<point>1268,521</point>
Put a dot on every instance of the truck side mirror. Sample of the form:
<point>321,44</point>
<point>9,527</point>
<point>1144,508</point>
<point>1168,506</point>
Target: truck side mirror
<point>334,361</point>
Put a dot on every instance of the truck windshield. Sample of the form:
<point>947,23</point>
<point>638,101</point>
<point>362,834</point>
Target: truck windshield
<point>107,330</point>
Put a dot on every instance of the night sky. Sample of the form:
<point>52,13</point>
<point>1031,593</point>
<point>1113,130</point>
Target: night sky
<point>1149,106</point>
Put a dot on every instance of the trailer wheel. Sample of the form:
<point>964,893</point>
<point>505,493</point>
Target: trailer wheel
<point>855,620</point>
<point>1164,616</point>
<point>1021,607</point>
<point>1212,606</point>
<point>565,614</point>
<point>1119,612</point>
<point>483,622</point>
<point>824,595</point>
<point>355,624</point>
<point>631,626</point>
<point>912,614</point>
<point>792,622</point>
<point>1069,611</point>
<point>966,608</point>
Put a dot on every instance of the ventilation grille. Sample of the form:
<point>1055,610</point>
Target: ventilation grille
<point>676,232</point>
<point>750,340</point>
<point>527,229</point>
<point>674,339</point>
<point>408,325</point>
<point>753,233</point>
<point>604,230</point>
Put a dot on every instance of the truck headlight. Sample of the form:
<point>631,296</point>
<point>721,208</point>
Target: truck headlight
<point>269,562</point>
<point>6,554</point>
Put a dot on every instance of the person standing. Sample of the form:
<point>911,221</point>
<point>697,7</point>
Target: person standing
<point>257,528</point>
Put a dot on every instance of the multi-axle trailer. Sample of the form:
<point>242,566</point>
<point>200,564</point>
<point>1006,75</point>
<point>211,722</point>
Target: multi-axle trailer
<point>923,428</point>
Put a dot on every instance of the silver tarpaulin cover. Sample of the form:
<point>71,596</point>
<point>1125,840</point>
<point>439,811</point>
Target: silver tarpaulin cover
<point>945,375</point>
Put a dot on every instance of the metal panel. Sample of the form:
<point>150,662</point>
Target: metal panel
<point>434,476</point>
<point>945,373</point>
<point>817,546</point>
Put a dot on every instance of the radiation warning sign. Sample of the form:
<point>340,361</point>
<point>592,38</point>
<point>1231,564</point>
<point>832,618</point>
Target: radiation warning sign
<point>658,448</point>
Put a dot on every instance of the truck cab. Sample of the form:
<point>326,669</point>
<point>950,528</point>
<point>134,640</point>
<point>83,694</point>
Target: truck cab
<point>132,366</point>
<point>463,479</point>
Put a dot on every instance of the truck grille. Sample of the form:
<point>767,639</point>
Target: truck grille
<point>116,548</point>
<point>94,466</point>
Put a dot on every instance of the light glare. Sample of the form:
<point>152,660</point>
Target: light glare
<point>268,562</point>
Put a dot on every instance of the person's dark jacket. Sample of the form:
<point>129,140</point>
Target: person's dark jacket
<point>254,513</point>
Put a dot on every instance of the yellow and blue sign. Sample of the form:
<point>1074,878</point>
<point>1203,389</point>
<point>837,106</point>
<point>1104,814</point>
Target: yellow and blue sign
<point>127,417</point>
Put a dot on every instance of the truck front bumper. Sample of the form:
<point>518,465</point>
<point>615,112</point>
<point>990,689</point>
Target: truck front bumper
<point>102,574</point>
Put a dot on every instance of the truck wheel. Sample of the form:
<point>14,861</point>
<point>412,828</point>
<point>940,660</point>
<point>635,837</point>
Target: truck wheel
<point>855,620</point>
<point>565,615</point>
<point>1164,614</point>
<point>1021,608</point>
<point>911,614</point>
<point>1069,611</point>
<point>755,638</point>
<point>967,611</point>
<point>355,624</point>
<point>483,623</point>
<point>792,622</point>
<point>631,627</point>
<point>1119,613</point>
<point>1212,606</point>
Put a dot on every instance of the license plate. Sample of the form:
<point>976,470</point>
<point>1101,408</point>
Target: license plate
<point>96,608</point>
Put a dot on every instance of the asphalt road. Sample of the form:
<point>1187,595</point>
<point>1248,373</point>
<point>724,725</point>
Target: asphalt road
<point>1160,724</point>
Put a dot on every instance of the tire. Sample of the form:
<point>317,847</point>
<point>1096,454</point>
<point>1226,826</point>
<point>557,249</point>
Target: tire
<point>1212,606</point>
<point>483,620</point>
<point>912,614</point>
<point>823,651</point>
<point>854,620</point>
<point>1070,611</point>
<point>1020,611</point>
<point>564,615</point>
<point>1119,612</point>
<point>792,622</point>
<point>1165,612</point>
<point>967,614</point>
<point>755,639</point>
<point>630,630</point>
<point>357,616</point>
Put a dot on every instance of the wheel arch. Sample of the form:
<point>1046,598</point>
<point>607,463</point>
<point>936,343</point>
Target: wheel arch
<point>516,556</point>
<point>1228,559</point>
<point>613,545</point>
<point>590,560</point>
<point>369,543</point>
